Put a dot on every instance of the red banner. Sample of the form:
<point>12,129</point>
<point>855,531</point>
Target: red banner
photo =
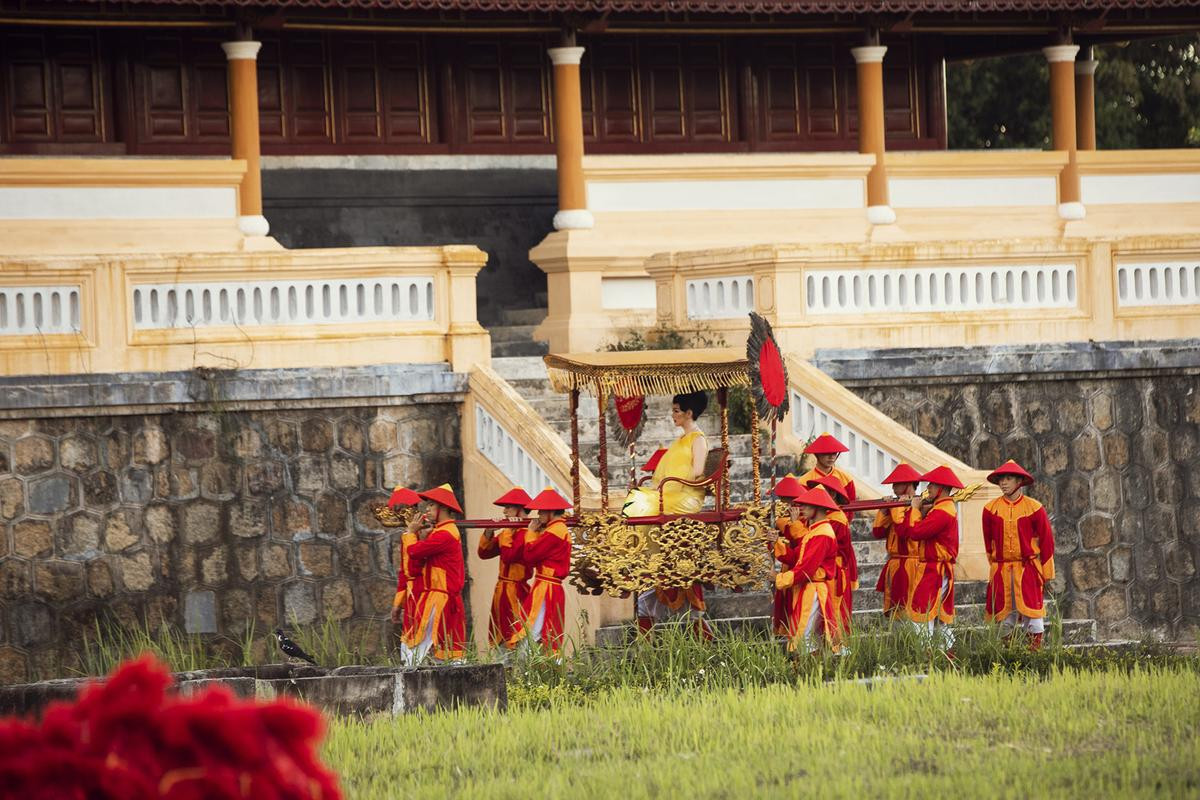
<point>629,410</point>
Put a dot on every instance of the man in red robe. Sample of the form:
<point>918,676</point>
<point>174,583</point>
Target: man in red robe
<point>827,449</point>
<point>1020,551</point>
<point>899,574</point>
<point>845,579</point>
<point>435,557</point>
<point>786,549</point>
<point>512,583</point>
<point>811,616</point>
<point>404,602</point>
<point>931,605</point>
<point>547,552</point>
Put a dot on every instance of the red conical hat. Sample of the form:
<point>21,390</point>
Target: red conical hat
<point>831,483</point>
<point>442,495</point>
<point>903,473</point>
<point>943,476</point>
<point>816,497</point>
<point>788,488</point>
<point>825,444</point>
<point>403,497</point>
<point>548,500</point>
<point>513,497</point>
<point>1010,467</point>
<point>652,464</point>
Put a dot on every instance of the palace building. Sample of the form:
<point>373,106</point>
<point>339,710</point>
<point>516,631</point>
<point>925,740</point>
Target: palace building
<point>257,258</point>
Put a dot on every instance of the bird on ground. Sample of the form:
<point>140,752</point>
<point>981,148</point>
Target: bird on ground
<point>291,649</point>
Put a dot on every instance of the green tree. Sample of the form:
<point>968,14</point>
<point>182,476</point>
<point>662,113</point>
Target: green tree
<point>1147,96</point>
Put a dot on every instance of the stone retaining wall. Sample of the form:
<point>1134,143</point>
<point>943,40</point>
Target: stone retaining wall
<point>1112,432</point>
<point>211,514</point>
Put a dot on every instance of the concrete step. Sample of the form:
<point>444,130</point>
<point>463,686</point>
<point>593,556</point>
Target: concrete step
<point>524,372</point>
<point>511,333</point>
<point>523,316</point>
<point>508,349</point>
<point>723,603</point>
<point>1074,631</point>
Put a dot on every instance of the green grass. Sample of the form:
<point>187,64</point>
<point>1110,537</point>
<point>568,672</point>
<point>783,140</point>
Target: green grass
<point>1100,733</point>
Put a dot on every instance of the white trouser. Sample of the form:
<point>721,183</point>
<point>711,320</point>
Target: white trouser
<point>1016,619</point>
<point>413,656</point>
<point>934,630</point>
<point>534,635</point>
<point>648,605</point>
<point>813,637</point>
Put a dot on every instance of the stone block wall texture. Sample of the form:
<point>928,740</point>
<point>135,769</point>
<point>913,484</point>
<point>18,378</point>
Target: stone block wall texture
<point>212,521</point>
<point>1118,466</point>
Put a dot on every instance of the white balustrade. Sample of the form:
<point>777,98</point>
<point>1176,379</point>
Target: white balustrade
<point>179,305</point>
<point>26,310</point>
<point>720,298</point>
<point>866,459</point>
<point>1162,283</point>
<point>500,447</point>
<point>936,289</point>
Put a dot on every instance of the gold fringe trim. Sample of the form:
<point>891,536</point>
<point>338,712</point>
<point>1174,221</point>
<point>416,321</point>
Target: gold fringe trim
<point>632,380</point>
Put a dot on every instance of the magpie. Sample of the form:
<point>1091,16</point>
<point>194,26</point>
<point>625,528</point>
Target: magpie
<point>291,649</point>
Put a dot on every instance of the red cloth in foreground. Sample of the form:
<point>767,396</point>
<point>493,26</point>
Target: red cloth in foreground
<point>131,739</point>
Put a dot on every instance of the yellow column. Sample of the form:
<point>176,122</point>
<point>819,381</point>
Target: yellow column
<point>568,141</point>
<point>243,118</point>
<point>1085,101</point>
<point>871,131</point>
<point>1062,109</point>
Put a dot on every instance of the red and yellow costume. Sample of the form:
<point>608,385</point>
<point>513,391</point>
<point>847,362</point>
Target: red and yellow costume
<point>826,444</point>
<point>899,574</point>
<point>809,583</point>
<point>1020,551</point>
<point>845,579</point>
<point>437,561</point>
<point>408,590</point>
<point>786,549</point>
<point>548,554</point>
<point>932,595</point>
<point>512,585</point>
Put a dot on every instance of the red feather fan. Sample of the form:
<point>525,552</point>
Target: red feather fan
<point>768,374</point>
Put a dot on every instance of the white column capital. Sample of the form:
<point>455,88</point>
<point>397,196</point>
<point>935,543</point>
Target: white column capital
<point>1087,67</point>
<point>1060,52</point>
<point>565,55</point>
<point>868,55</point>
<point>574,219</point>
<point>242,50</point>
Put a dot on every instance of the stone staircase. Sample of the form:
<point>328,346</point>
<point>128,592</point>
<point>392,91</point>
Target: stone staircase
<point>514,336</point>
<point>749,610</point>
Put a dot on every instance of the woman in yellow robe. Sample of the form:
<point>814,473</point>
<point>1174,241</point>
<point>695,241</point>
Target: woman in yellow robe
<point>684,458</point>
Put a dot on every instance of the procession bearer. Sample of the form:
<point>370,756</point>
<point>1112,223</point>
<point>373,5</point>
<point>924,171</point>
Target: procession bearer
<point>408,592</point>
<point>435,556</point>
<point>547,553</point>
<point>827,449</point>
<point>931,605</point>
<point>899,574</point>
<point>811,617</point>
<point>512,584</point>
<point>845,579</point>
<point>786,549</point>
<point>1020,551</point>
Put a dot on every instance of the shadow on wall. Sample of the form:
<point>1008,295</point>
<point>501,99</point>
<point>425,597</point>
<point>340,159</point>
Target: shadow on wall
<point>504,212</point>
